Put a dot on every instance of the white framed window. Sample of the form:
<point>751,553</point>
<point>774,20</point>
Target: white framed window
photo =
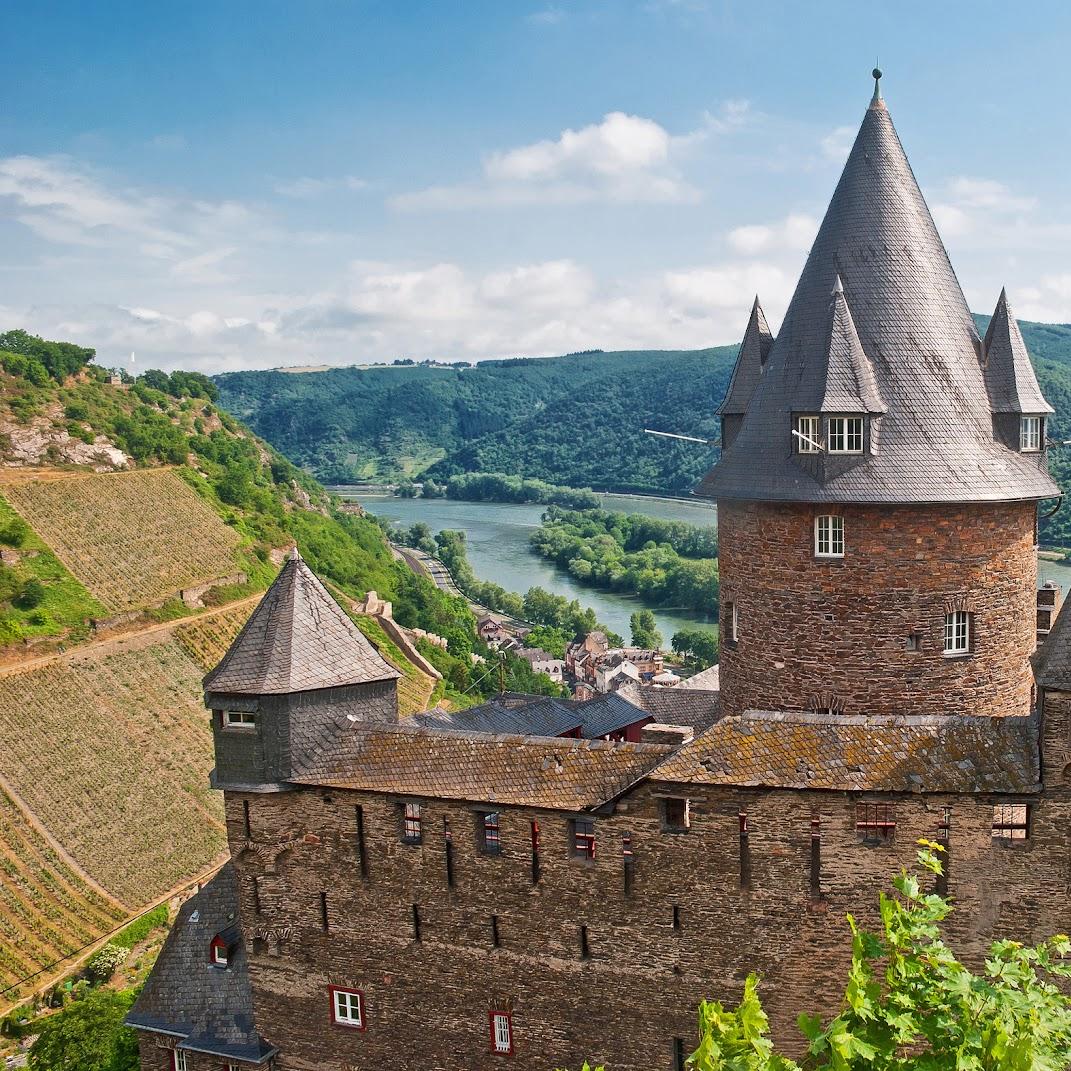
<point>1030,434</point>
<point>347,1007</point>
<point>807,441</point>
<point>846,435</point>
<point>178,1061</point>
<point>957,632</point>
<point>731,621</point>
<point>238,719</point>
<point>829,537</point>
<point>501,1032</point>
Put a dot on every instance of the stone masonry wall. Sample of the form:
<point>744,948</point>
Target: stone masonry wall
<point>834,631</point>
<point>427,1001</point>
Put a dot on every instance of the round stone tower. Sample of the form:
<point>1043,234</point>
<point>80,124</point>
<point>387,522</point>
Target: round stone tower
<point>881,468</point>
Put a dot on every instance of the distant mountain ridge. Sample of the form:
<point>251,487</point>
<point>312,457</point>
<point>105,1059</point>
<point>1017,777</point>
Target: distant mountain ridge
<point>577,419</point>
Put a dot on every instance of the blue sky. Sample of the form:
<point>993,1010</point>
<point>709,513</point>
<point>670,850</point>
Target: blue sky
<point>221,186</point>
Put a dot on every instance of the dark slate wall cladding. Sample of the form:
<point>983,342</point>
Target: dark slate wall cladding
<point>291,729</point>
<point>812,628</point>
<point>427,1001</point>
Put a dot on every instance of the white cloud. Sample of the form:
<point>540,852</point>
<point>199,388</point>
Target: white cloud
<point>838,143</point>
<point>548,16</point>
<point>794,233</point>
<point>306,187</point>
<point>622,159</point>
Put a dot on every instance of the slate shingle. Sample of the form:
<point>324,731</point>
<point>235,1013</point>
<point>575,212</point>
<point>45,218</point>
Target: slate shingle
<point>298,639</point>
<point>935,442</point>
<point>754,351</point>
<point>1009,375</point>
<point>208,1008</point>
<point>787,749</point>
<point>559,774</point>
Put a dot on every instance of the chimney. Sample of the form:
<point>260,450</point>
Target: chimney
<point>658,733</point>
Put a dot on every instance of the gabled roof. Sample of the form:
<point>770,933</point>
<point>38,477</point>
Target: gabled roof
<point>1009,375</point>
<point>209,1009</point>
<point>298,639</point>
<point>694,706</point>
<point>1052,663</point>
<point>540,717</point>
<point>935,442</point>
<point>846,382</point>
<point>789,749</point>
<point>749,362</point>
<point>604,714</point>
<point>559,774</point>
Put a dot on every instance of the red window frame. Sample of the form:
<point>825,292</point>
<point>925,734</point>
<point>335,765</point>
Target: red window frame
<point>1011,821</point>
<point>492,1016</point>
<point>412,823</point>
<point>218,945</point>
<point>492,832</point>
<point>584,838</point>
<point>333,990</point>
<point>876,822</point>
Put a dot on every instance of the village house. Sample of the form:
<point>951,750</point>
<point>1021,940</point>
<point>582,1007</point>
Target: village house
<point>542,662</point>
<point>593,666</point>
<point>504,887</point>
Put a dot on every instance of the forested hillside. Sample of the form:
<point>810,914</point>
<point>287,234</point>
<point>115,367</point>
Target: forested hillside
<point>576,420</point>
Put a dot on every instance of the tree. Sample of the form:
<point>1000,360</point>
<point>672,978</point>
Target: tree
<point>910,1005</point>
<point>696,646</point>
<point>88,1035</point>
<point>645,630</point>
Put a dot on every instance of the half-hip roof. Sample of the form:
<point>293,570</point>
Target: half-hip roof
<point>298,639</point>
<point>935,441</point>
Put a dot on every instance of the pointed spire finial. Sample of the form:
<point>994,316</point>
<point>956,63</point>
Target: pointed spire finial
<point>876,74</point>
<point>838,285</point>
<point>295,554</point>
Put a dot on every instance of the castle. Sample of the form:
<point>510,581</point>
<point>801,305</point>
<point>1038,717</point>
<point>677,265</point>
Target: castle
<point>428,896</point>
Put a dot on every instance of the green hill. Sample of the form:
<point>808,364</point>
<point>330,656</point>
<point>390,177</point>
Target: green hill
<point>576,420</point>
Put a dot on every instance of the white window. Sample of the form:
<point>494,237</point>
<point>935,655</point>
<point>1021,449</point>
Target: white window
<point>238,719</point>
<point>807,441</point>
<point>846,435</point>
<point>957,632</point>
<point>730,622</point>
<point>1030,433</point>
<point>829,537</point>
<point>501,1032</point>
<point>348,1007</point>
<point>219,954</point>
<point>178,1061</point>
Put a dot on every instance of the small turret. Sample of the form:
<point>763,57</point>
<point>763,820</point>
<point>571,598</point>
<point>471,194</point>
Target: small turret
<point>750,362</point>
<point>299,672</point>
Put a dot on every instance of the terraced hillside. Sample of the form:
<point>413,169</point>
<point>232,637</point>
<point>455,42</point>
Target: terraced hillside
<point>110,748</point>
<point>132,538</point>
<point>47,910</point>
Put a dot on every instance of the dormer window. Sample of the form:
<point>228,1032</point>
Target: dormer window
<point>845,435</point>
<point>1030,428</point>
<point>808,432</point>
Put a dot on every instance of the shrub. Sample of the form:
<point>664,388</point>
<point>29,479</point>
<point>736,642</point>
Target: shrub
<point>103,964</point>
<point>89,1035</point>
<point>140,928</point>
<point>14,533</point>
<point>33,594</point>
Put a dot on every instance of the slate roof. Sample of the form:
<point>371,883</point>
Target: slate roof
<point>935,442</point>
<point>298,639</point>
<point>1052,663</point>
<point>706,679</point>
<point>678,705</point>
<point>558,774</point>
<point>754,351</point>
<point>1009,375</point>
<point>207,1008</point>
<point>784,749</point>
<point>540,717</point>
<point>604,714</point>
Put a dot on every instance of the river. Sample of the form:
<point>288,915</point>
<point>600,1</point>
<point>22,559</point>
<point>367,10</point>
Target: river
<point>497,536</point>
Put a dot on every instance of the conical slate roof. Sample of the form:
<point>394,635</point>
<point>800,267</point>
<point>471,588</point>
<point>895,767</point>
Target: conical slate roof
<point>754,351</point>
<point>935,441</point>
<point>298,639</point>
<point>845,383</point>
<point>1009,375</point>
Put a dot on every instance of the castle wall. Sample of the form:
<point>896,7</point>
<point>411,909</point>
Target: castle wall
<point>427,1002</point>
<point>814,632</point>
